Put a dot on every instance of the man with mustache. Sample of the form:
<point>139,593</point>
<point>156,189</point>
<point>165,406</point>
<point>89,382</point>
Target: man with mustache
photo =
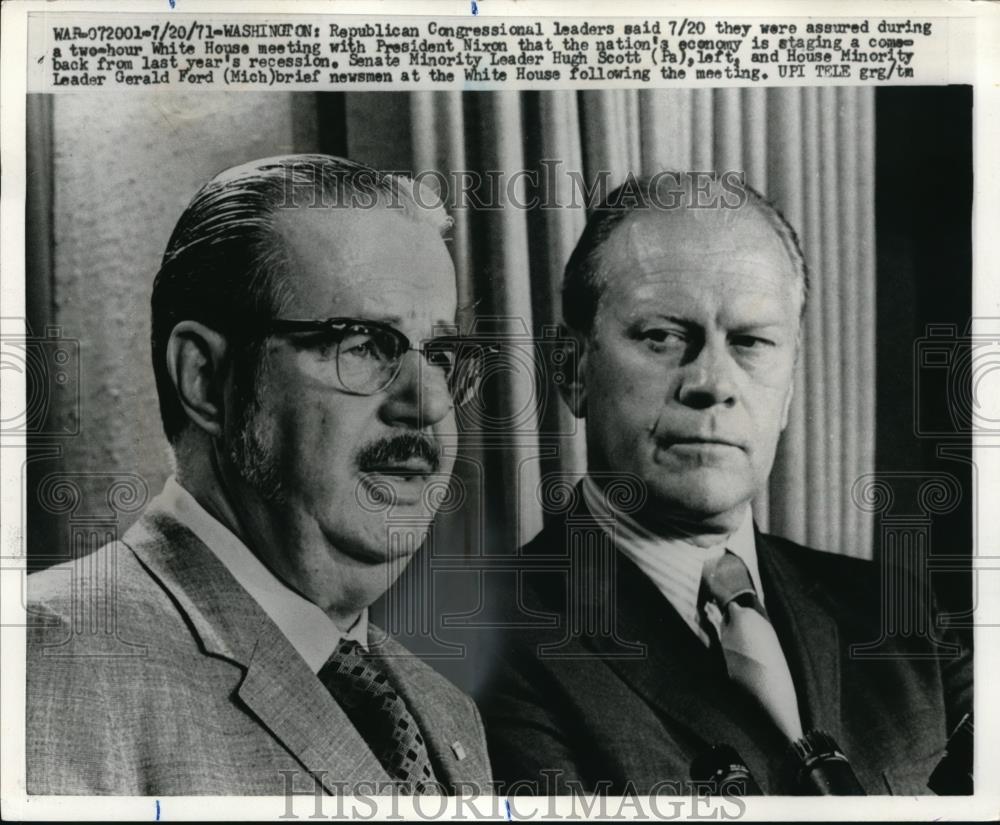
<point>305,383</point>
<point>678,626</point>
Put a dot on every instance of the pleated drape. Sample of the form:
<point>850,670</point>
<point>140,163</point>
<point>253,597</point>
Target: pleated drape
<point>810,150</point>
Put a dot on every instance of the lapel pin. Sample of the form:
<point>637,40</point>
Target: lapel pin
<point>459,750</point>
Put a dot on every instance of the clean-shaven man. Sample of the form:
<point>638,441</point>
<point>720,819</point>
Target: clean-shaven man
<point>679,626</point>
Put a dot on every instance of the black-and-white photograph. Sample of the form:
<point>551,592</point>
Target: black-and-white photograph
<point>520,443</point>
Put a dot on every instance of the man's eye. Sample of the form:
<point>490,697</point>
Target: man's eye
<point>749,342</point>
<point>659,337</point>
<point>360,346</point>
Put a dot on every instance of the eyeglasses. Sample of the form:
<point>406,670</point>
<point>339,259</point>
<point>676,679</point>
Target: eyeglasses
<point>367,355</point>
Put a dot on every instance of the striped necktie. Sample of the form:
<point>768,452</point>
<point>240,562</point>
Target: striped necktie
<point>380,715</point>
<point>750,646</point>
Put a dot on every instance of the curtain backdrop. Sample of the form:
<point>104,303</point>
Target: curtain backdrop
<point>99,215</point>
<point>811,151</point>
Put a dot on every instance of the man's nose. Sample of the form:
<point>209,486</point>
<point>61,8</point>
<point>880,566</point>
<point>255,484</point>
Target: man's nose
<point>419,396</point>
<point>707,380</point>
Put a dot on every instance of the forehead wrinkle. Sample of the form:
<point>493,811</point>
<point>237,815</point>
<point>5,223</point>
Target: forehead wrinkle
<point>300,226</point>
<point>655,265</point>
<point>711,232</point>
<point>699,236</point>
<point>696,305</point>
<point>669,273</point>
<point>654,270</point>
<point>364,274</point>
<point>670,257</point>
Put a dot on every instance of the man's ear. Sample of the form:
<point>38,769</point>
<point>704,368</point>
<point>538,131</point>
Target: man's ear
<point>196,362</point>
<point>573,385</point>
<point>791,384</point>
<point>788,405</point>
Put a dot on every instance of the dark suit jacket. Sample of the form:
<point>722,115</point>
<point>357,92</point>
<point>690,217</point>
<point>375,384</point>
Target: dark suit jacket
<point>619,690</point>
<point>151,671</point>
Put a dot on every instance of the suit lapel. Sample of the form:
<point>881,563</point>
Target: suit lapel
<point>278,688</point>
<point>676,675</point>
<point>294,705</point>
<point>808,634</point>
<point>444,719</point>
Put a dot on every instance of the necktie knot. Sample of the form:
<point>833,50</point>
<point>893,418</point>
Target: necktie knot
<point>752,652</point>
<point>726,580</point>
<point>355,675</point>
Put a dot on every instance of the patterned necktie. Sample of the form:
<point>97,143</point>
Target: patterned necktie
<point>380,715</point>
<point>749,644</point>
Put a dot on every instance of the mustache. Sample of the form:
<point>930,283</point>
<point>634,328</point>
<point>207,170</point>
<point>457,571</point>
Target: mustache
<point>399,449</point>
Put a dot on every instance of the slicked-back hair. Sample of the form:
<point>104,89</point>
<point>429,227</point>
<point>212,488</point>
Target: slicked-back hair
<point>584,279</point>
<point>224,265</point>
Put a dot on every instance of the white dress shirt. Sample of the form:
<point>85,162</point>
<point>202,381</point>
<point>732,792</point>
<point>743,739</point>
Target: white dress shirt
<point>672,564</point>
<point>311,632</point>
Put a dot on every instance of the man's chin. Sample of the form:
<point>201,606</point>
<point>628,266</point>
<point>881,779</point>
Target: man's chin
<point>369,573</point>
<point>718,505</point>
<point>383,540</point>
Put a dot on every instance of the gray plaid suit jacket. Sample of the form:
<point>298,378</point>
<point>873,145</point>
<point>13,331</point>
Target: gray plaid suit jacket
<point>150,671</point>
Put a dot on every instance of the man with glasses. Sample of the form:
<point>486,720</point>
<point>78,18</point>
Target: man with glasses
<point>307,369</point>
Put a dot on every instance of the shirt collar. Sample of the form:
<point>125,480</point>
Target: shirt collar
<point>672,564</point>
<point>311,632</point>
